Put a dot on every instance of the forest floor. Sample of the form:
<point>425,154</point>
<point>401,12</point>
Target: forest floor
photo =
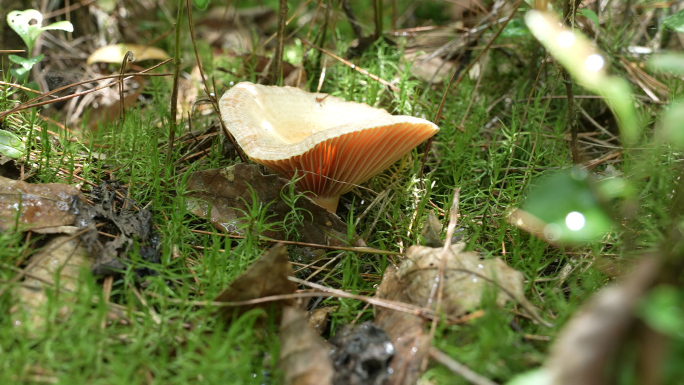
<point>536,236</point>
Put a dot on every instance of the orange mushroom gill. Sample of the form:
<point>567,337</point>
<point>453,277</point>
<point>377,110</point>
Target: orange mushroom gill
<point>331,144</point>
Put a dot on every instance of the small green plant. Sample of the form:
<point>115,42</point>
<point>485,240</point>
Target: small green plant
<point>295,217</point>
<point>28,25</point>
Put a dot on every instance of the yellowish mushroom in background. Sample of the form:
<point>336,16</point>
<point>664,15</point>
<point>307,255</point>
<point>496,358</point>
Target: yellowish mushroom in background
<point>330,143</point>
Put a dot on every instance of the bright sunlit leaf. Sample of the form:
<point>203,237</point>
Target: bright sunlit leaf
<point>28,25</point>
<point>588,66</point>
<point>532,377</point>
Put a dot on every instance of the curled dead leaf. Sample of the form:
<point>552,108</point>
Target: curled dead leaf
<point>41,208</point>
<point>222,195</point>
<point>61,260</point>
<point>267,276</point>
<point>304,356</point>
<point>466,277</point>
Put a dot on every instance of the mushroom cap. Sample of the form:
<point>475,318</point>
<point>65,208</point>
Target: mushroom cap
<point>330,143</point>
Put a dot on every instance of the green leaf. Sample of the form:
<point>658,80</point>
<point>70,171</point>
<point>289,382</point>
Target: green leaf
<point>533,377</point>
<point>21,74</point>
<point>11,145</point>
<point>671,130</point>
<point>675,22</point>
<point>673,62</point>
<point>60,25</point>
<point>20,22</point>
<point>591,15</point>
<point>515,28</point>
<point>563,207</point>
<point>201,4</point>
<point>26,63</point>
<point>663,310</point>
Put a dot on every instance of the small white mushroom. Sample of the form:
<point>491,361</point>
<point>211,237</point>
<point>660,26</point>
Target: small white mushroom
<point>330,143</point>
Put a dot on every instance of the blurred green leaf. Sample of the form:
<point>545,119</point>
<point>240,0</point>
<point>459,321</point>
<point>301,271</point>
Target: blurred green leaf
<point>588,66</point>
<point>671,129</point>
<point>533,377</point>
<point>564,208</point>
<point>663,310</point>
<point>673,62</point>
<point>515,28</point>
<point>615,188</point>
<point>11,145</point>
<point>591,15</point>
<point>201,4</point>
<point>675,22</point>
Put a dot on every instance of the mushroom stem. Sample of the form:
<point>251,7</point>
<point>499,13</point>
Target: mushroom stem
<point>328,203</point>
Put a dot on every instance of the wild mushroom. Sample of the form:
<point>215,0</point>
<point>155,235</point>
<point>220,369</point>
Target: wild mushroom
<point>330,143</point>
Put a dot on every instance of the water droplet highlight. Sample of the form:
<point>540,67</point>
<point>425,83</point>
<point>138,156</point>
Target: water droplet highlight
<point>575,221</point>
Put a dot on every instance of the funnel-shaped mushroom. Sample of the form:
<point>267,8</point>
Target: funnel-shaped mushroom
<point>328,142</point>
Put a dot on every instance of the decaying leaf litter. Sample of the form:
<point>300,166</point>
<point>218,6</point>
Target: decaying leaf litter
<point>413,279</point>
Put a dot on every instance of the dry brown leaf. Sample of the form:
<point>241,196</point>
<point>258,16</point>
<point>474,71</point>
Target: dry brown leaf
<point>107,108</point>
<point>226,192</point>
<point>41,208</point>
<point>318,320</point>
<point>582,353</point>
<point>431,231</point>
<point>115,53</point>
<point>267,276</point>
<point>234,30</point>
<point>65,256</point>
<point>466,277</point>
<point>435,69</point>
<point>304,356</point>
<point>405,331</point>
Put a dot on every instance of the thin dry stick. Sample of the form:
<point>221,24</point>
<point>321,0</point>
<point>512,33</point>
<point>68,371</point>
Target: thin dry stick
<point>389,304</point>
<point>363,250</point>
<point>324,292</point>
<point>459,368</point>
<point>439,278</point>
<point>176,77</point>
<point>438,115</point>
<point>19,87</point>
<point>106,294</point>
<point>122,110</point>
<point>353,66</point>
<point>280,46</point>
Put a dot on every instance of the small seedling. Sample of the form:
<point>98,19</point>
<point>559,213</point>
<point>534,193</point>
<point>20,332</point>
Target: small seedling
<point>28,25</point>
